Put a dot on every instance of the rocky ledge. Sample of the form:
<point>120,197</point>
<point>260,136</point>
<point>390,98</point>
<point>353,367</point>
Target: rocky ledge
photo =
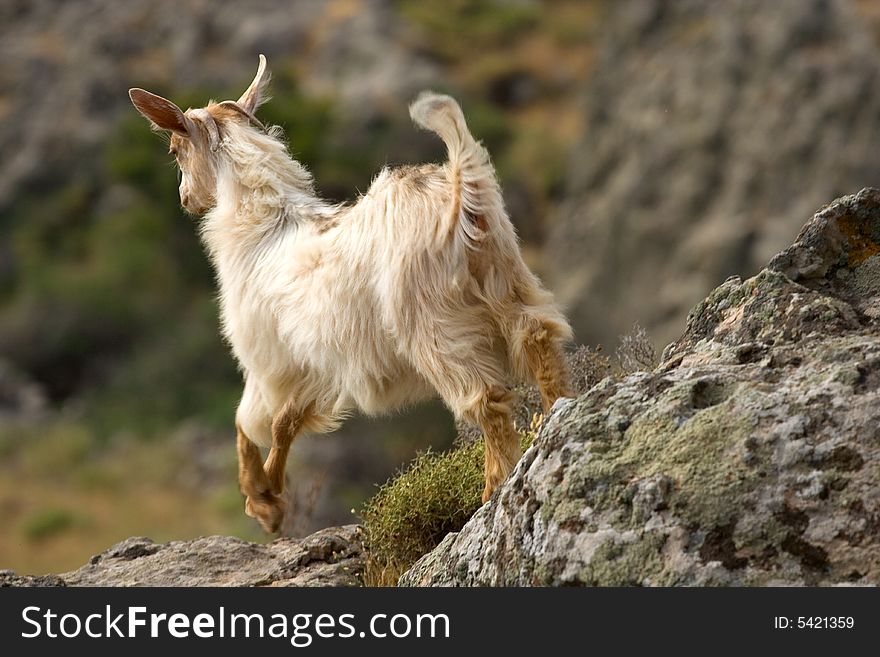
<point>330,557</point>
<point>750,456</point>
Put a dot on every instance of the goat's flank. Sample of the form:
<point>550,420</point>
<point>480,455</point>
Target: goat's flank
<point>417,289</point>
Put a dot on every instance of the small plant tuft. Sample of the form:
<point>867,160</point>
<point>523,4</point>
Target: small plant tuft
<point>588,367</point>
<point>413,511</point>
<point>636,352</point>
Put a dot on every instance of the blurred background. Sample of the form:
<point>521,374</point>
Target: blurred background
<point>647,149</point>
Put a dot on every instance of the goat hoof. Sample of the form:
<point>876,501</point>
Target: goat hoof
<point>268,509</point>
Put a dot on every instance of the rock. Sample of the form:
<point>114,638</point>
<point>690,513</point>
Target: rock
<point>330,557</point>
<point>750,456</point>
<point>9,578</point>
<point>711,129</point>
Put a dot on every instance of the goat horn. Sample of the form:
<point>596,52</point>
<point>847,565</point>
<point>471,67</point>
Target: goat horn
<point>210,125</point>
<point>251,98</point>
<point>233,105</point>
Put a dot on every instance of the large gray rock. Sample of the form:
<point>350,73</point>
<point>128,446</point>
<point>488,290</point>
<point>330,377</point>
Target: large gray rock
<point>750,456</point>
<point>330,557</point>
<point>711,129</point>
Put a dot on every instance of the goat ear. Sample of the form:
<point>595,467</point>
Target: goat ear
<point>160,112</point>
<point>251,98</point>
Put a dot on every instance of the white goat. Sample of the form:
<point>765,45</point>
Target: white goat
<point>417,289</point>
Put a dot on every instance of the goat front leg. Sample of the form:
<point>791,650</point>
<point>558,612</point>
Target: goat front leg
<point>261,503</point>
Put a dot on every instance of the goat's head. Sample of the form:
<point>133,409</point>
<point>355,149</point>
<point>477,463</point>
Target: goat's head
<point>197,136</point>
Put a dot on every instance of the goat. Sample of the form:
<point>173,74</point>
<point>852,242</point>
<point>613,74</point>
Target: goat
<point>416,289</point>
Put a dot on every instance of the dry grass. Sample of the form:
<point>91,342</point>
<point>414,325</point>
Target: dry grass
<point>636,352</point>
<point>409,516</point>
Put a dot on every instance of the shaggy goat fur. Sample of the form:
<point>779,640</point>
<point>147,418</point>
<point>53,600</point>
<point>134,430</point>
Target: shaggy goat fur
<point>417,289</point>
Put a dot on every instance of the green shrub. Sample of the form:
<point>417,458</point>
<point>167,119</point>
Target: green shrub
<point>48,522</point>
<point>414,510</point>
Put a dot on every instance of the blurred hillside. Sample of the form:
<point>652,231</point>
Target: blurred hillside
<point>647,150</point>
<point>117,393</point>
<point>710,130</point>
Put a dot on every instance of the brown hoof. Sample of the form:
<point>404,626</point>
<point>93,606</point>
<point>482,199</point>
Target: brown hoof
<point>268,509</point>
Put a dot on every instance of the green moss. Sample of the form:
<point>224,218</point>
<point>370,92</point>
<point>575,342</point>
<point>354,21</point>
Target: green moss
<point>568,513</point>
<point>696,456</point>
<point>693,451</point>
<point>626,563</point>
<point>413,511</point>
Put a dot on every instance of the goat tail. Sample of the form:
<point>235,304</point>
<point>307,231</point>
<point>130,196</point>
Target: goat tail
<point>475,189</point>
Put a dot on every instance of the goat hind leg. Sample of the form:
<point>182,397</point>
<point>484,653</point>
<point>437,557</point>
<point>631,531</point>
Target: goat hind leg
<point>492,413</point>
<point>542,348</point>
<point>457,357</point>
